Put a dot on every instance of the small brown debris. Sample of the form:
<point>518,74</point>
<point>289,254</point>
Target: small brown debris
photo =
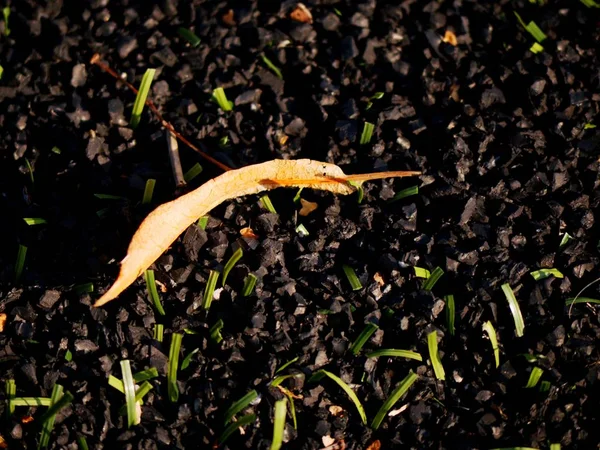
<point>248,233</point>
<point>283,139</point>
<point>375,445</point>
<point>3,443</point>
<point>307,207</point>
<point>301,14</point>
<point>336,410</point>
<point>450,38</point>
<point>26,419</point>
<point>2,321</point>
<point>379,279</point>
<point>229,18</point>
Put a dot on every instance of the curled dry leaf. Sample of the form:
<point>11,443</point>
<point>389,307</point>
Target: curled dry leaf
<point>163,225</point>
<point>307,207</point>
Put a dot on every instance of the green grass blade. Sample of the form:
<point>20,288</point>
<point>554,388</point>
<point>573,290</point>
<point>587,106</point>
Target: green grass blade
<point>116,383</point>
<point>34,221</point>
<point>6,17</point>
<point>574,301</point>
<point>129,387</point>
<point>542,274</point>
<point>174,350</point>
<point>109,197</point>
<point>355,283</point>
<point>237,255</point>
<point>434,356</point>
<point>536,31</point>
<point>31,401</point>
<point>409,354</point>
<point>249,284</point>
<point>301,230</point>
<point>202,222</point>
<point>20,262</point>
<point>514,309</point>
<point>292,410</point>
<point>450,313</point>
<point>433,279</point>
<point>276,70</point>
<point>152,292</point>
<point>140,99</point>
<point>48,425</point>
<point>396,395</point>
<point>188,358</point>
<point>10,388</point>
<point>268,204</point>
<point>144,375</point>
<point>82,443</point>
<point>148,191</point>
<point>139,395</point>
<point>413,190</point>
<point>232,427</point>
<point>215,331</point>
<point>367,133</point>
<point>194,171</point>
<point>209,289</point>
<point>54,408</point>
<point>287,364</point>
<point>281,378</point>
<point>557,446</point>
<point>221,99</point>
<point>489,329</point>
<point>240,405</point>
<point>362,338</point>
<point>279,423</point>
<point>420,272</point>
<point>349,392</point>
<point>189,36</point>
<point>515,448</point>
<point>84,288</point>
<point>159,332</point>
<point>534,377</point>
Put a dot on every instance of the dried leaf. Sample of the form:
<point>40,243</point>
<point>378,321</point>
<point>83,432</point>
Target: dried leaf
<point>307,207</point>
<point>379,279</point>
<point>450,38</point>
<point>163,225</point>
<point>375,445</point>
<point>301,14</point>
<point>248,233</point>
<point>2,321</point>
<point>336,410</point>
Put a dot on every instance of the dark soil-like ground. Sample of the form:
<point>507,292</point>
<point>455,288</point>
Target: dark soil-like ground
<point>503,131</point>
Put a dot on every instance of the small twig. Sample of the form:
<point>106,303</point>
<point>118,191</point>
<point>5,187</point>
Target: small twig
<point>96,61</point>
<point>175,161</point>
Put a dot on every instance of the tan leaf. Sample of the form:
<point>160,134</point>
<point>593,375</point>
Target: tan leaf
<point>307,207</point>
<point>163,225</point>
<point>379,279</point>
<point>336,410</point>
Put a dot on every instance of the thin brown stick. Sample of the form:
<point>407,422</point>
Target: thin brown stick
<point>96,61</point>
<point>175,160</point>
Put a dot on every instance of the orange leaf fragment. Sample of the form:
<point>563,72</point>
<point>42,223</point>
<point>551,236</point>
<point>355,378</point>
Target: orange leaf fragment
<point>26,419</point>
<point>375,445</point>
<point>163,225</point>
<point>301,14</point>
<point>3,443</point>
<point>248,233</point>
<point>307,207</point>
<point>450,38</point>
<point>2,321</point>
<point>379,279</point>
